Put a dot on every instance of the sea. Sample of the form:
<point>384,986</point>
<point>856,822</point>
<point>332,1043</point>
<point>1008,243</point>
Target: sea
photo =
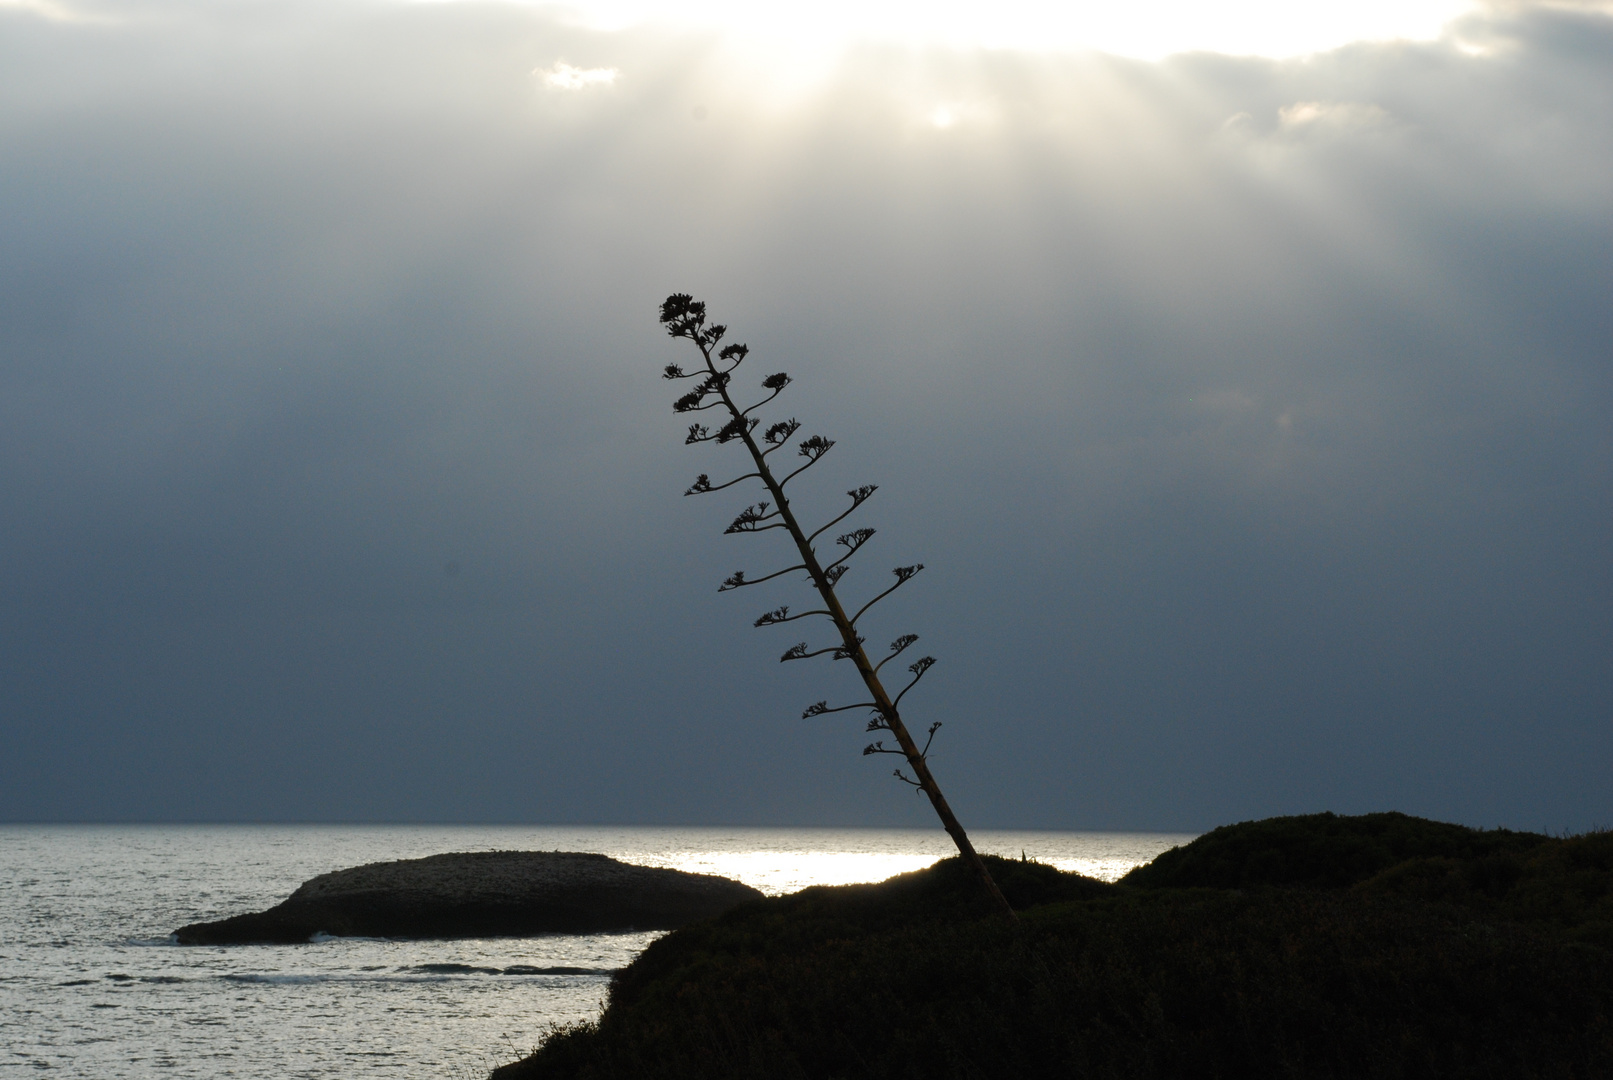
<point>92,984</point>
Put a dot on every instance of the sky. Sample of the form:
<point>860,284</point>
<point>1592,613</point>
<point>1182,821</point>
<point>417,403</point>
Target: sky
<point>1242,380</point>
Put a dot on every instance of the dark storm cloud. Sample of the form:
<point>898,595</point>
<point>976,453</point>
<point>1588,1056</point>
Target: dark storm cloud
<point>1251,417</point>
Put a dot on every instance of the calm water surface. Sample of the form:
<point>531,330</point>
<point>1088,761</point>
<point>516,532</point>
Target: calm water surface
<point>90,985</point>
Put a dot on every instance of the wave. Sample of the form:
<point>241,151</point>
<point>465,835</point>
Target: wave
<point>453,969</point>
<point>294,980</point>
<point>148,943</point>
<point>308,980</point>
<point>416,973</point>
<point>513,969</point>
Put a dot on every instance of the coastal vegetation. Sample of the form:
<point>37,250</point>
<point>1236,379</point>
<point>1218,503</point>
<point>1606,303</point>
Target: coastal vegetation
<point>1317,947</point>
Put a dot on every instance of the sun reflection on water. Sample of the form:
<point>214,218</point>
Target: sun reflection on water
<point>783,869</point>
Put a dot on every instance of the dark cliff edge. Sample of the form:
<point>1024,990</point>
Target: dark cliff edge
<point>1317,947</point>
<point>481,894</point>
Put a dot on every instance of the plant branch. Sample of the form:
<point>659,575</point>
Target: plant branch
<point>821,708</point>
<point>897,648</point>
<point>799,651</point>
<point>778,435</point>
<point>903,575</point>
<point>782,615</point>
<point>858,497</point>
<point>918,669</point>
<point>775,383</point>
<point>813,450</point>
<point>750,520</point>
<point>737,579</point>
<point>703,484</point>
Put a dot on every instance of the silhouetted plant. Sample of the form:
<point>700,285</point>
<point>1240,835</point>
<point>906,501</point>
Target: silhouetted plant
<point>685,317</point>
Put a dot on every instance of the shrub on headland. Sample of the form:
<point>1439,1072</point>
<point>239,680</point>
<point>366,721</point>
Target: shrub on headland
<point>1315,947</point>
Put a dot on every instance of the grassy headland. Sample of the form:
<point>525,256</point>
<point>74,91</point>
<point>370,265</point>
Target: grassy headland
<point>1315,947</point>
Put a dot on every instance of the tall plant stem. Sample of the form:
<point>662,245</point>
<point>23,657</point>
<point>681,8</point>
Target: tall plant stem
<point>853,647</point>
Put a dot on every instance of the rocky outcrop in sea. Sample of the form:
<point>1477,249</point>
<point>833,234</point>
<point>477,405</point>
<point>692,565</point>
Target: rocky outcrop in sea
<point>481,894</point>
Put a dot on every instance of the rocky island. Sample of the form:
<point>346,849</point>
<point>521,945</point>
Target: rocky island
<point>481,894</point>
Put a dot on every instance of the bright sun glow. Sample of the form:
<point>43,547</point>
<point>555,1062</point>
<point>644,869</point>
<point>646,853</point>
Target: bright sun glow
<point>1146,29</point>
<point>565,77</point>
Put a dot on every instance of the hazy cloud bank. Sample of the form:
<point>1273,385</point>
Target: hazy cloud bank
<point>1251,417</point>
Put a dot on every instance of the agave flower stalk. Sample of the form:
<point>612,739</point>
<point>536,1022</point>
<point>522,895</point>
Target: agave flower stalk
<point>714,388</point>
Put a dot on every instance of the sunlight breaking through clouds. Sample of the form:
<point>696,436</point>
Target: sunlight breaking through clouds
<point>1250,409</point>
<point>951,115</point>
<point>562,76</point>
<point>1304,115</point>
<point>1147,30</point>
<point>52,11</point>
